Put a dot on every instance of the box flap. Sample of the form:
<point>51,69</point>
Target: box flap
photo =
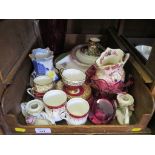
<point>16,40</point>
<point>14,92</point>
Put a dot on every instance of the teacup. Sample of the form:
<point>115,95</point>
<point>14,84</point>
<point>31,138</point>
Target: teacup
<point>55,101</point>
<point>43,83</point>
<point>76,112</point>
<point>34,93</point>
<point>73,77</point>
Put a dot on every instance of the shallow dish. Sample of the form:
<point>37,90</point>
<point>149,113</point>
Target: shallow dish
<point>80,58</point>
<point>84,58</point>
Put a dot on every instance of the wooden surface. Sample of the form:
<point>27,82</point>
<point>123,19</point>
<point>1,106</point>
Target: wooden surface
<point>151,61</point>
<point>2,88</point>
<point>144,107</point>
<point>144,101</point>
<point>54,31</point>
<point>90,26</point>
<point>141,41</point>
<point>71,40</point>
<point>138,28</point>
<point>1,132</point>
<point>141,71</point>
<point>4,128</point>
<point>146,74</point>
<point>13,95</point>
<point>16,39</point>
<point>71,129</point>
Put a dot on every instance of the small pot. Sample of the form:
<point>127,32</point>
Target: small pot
<point>43,83</point>
<point>73,77</point>
<point>34,107</point>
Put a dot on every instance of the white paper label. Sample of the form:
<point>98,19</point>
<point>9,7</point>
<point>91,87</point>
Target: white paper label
<point>42,130</point>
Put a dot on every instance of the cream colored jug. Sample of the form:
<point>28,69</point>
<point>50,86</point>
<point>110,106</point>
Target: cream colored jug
<point>110,65</point>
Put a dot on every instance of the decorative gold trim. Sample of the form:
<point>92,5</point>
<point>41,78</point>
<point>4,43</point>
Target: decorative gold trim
<point>87,90</point>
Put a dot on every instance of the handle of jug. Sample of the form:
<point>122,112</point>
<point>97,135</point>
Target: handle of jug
<point>127,55</point>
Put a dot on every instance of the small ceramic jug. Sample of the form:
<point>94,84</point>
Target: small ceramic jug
<point>107,74</point>
<point>110,65</point>
<point>42,60</point>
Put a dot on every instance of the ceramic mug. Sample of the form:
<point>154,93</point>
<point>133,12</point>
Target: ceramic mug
<point>43,83</point>
<point>55,101</point>
<point>73,77</point>
<point>76,112</point>
<point>32,92</point>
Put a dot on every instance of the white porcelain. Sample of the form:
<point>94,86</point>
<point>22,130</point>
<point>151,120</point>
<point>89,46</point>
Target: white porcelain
<point>42,122</point>
<point>42,80</point>
<point>41,119</point>
<point>110,65</point>
<point>42,60</point>
<point>110,57</point>
<point>54,113</point>
<point>32,92</point>
<point>76,112</point>
<point>34,107</point>
<point>40,53</point>
<point>55,101</point>
<point>73,77</point>
<point>144,50</point>
<point>123,112</point>
<point>85,58</point>
<point>125,99</point>
<point>43,83</point>
<point>36,117</point>
<point>94,39</point>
